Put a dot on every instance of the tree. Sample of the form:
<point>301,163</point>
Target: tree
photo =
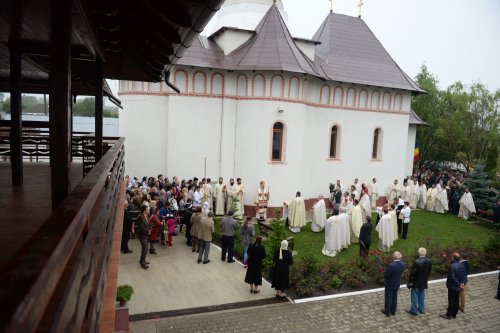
<point>84,107</point>
<point>479,185</point>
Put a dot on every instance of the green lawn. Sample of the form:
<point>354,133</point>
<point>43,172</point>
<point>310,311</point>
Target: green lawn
<point>446,229</point>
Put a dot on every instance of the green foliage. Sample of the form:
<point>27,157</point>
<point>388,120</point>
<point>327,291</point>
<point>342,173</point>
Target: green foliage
<point>86,108</point>
<point>273,243</point>
<point>124,293</point>
<point>465,118</point>
<point>336,282</point>
<point>479,185</point>
<point>492,249</point>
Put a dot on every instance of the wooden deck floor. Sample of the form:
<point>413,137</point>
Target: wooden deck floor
<point>26,207</point>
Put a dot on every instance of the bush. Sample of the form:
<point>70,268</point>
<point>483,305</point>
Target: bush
<point>124,293</point>
<point>305,277</point>
<point>274,242</point>
<point>492,250</point>
<point>336,282</point>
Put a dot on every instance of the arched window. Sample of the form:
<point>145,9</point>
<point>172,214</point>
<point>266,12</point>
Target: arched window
<point>377,144</point>
<point>324,94</point>
<point>181,80</point>
<point>242,85</point>
<point>351,97</point>
<point>386,101</point>
<point>217,84</point>
<point>363,99</point>
<point>375,100</point>
<point>277,84</point>
<point>294,92</point>
<point>137,86</point>
<point>333,142</point>
<point>277,148</point>
<point>259,85</point>
<point>199,83</point>
<point>338,96</point>
<point>398,102</point>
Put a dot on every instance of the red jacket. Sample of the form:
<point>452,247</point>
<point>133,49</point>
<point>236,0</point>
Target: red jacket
<point>171,225</point>
<point>155,227</point>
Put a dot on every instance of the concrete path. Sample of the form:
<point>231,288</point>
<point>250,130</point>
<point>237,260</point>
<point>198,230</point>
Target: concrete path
<point>175,281</point>
<point>359,313</point>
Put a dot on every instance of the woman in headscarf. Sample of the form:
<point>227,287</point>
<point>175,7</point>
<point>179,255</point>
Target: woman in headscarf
<point>256,254</point>
<point>282,261</point>
<point>247,235</point>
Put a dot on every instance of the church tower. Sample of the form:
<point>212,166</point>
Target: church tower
<point>245,14</point>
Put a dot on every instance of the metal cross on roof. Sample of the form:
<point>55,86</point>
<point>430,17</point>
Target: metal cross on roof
<point>360,5</point>
<point>331,5</point>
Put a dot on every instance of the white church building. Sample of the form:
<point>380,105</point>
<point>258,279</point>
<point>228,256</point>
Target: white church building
<point>259,104</point>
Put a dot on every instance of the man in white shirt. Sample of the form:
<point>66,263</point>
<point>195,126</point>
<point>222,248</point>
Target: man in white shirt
<point>406,212</point>
<point>197,197</point>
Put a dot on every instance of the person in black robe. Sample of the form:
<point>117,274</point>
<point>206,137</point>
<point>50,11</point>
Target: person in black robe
<point>282,261</point>
<point>256,253</point>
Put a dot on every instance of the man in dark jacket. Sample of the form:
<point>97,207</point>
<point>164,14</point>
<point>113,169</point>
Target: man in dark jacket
<point>455,282</point>
<point>143,231</point>
<point>365,237</point>
<point>392,277</point>
<point>186,220</point>
<point>127,227</point>
<point>419,276</point>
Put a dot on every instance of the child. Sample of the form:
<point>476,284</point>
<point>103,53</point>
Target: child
<point>155,230</point>
<point>171,228</point>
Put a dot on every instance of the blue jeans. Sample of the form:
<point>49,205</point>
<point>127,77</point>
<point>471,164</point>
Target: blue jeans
<point>245,254</point>
<point>417,300</point>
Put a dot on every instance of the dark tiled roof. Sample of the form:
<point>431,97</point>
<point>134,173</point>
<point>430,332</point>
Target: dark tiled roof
<point>416,120</point>
<point>350,52</point>
<point>347,51</point>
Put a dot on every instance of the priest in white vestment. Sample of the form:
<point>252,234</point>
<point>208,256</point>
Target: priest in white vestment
<point>346,204</point>
<point>209,194</point>
<point>297,213</point>
<point>373,191</point>
<point>220,197</point>
<point>406,192</point>
<point>394,218</point>
<point>356,222</point>
<point>205,209</point>
<point>431,198</point>
<point>441,203</point>
<point>467,206</point>
<point>231,194</point>
<point>422,200</point>
<point>364,202</point>
<point>319,215</point>
<point>394,192</point>
<point>385,228</point>
<point>240,191</point>
<point>415,195</point>
<point>333,236</point>
<point>344,228</point>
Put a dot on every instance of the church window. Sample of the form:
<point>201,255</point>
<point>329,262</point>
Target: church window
<point>155,86</point>
<point>363,99</point>
<point>351,97</point>
<point>398,102</point>
<point>277,144</point>
<point>305,90</point>
<point>293,92</point>
<point>324,97</point>
<point>259,86</point>
<point>277,86</point>
<point>375,100</point>
<point>338,96</point>
<point>377,141</point>
<point>137,86</point>
<point>387,101</point>
<point>181,80</point>
<point>199,83</point>
<point>333,142</point>
<point>217,84</point>
<point>242,85</point>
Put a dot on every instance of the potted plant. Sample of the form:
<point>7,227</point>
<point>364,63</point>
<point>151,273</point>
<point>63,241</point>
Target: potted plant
<point>124,293</point>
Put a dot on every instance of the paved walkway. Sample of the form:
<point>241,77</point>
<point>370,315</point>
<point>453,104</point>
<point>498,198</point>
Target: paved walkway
<point>174,280</point>
<point>359,313</point>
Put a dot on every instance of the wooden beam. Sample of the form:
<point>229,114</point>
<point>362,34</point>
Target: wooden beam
<point>98,109</point>
<point>60,100</point>
<point>16,147</point>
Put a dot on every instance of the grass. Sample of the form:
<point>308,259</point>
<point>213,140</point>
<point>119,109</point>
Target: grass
<point>446,229</point>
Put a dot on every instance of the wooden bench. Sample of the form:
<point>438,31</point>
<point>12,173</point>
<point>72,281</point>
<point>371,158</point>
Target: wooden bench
<point>487,214</point>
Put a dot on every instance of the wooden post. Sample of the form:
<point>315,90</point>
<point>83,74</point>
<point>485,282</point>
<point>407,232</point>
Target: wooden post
<point>60,99</point>
<point>16,146</point>
<point>98,109</point>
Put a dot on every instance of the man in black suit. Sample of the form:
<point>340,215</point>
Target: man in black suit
<point>365,237</point>
<point>419,276</point>
<point>392,277</point>
<point>127,227</point>
<point>455,282</point>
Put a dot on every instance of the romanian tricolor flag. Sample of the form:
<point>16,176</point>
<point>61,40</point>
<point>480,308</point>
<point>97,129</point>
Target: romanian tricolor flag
<point>416,153</point>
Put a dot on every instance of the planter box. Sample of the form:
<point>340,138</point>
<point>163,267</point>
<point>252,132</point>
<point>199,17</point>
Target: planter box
<point>121,318</point>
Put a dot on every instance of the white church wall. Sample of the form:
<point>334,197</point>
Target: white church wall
<point>410,147</point>
<point>143,129</point>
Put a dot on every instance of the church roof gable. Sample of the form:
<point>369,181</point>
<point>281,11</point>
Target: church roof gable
<point>272,48</point>
<point>350,52</point>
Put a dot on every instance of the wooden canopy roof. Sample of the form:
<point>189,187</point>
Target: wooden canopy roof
<point>136,40</point>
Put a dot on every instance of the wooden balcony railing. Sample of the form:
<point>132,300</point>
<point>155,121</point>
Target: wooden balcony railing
<point>56,282</point>
<point>36,144</point>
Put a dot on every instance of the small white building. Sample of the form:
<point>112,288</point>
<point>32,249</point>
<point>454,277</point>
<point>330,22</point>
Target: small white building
<point>258,104</point>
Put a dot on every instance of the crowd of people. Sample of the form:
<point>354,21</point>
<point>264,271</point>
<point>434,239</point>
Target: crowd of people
<point>156,208</point>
